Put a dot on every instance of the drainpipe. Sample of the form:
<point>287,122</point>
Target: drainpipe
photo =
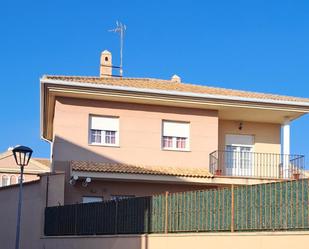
<point>50,153</point>
<point>47,190</point>
<point>286,147</point>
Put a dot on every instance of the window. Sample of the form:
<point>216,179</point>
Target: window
<point>104,130</point>
<point>167,142</point>
<point>175,135</point>
<point>96,136</point>
<point>110,137</point>
<point>5,180</point>
<point>121,197</point>
<point>13,179</point>
<point>90,199</point>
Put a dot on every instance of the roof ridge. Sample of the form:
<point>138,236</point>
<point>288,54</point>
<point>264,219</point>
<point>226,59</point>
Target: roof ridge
<point>46,76</point>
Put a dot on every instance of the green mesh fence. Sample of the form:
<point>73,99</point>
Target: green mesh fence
<point>199,211</point>
<point>271,206</point>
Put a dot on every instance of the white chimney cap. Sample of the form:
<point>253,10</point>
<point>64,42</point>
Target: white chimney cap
<point>106,52</point>
<point>176,78</point>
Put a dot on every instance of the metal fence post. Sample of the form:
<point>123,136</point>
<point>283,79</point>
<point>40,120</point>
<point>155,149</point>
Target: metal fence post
<point>75,220</point>
<point>166,212</point>
<point>116,216</point>
<point>232,208</point>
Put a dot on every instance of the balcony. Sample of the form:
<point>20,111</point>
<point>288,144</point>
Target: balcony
<point>256,165</point>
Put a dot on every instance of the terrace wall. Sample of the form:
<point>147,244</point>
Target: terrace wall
<point>260,240</point>
<point>35,199</point>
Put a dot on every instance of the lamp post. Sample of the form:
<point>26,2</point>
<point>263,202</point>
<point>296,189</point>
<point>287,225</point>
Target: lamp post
<point>22,155</point>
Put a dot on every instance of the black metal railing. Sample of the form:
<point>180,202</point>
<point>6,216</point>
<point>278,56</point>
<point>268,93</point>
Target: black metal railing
<point>258,165</point>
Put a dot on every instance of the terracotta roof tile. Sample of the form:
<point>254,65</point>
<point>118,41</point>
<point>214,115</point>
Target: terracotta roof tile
<point>158,84</point>
<point>43,161</point>
<point>139,169</point>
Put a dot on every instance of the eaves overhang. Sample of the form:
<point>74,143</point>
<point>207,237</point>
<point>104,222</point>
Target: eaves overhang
<point>51,88</point>
<point>214,181</point>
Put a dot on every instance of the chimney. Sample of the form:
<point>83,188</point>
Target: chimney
<point>106,64</point>
<point>176,78</point>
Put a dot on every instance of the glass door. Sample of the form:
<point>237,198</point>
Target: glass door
<point>239,160</point>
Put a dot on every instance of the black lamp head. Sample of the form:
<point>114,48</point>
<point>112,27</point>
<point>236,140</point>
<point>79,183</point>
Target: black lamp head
<point>22,155</point>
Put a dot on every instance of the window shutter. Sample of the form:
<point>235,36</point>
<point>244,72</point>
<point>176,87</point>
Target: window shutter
<point>104,123</point>
<point>239,140</point>
<point>175,129</point>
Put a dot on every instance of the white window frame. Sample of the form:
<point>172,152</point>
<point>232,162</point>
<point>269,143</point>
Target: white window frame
<point>175,137</point>
<point>8,180</point>
<point>94,198</point>
<point>103,132</point>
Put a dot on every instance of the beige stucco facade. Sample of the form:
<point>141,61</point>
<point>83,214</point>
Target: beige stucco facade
<point>141,132</point>
<point>107,189</point>
<point>266,136</point>
<point>140,143</point>
<point>140,129</point>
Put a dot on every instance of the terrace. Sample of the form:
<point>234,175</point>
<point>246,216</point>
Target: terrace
<point>243,163</point>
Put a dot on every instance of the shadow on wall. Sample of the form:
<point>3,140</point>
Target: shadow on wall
<point>91,159</point>
<point>65,150</point>
<point>105,188</point>
<point>137,107</point>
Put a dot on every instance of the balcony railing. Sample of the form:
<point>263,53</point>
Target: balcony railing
<point>256,165</point>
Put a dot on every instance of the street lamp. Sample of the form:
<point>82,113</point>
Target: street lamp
<point>22,155</point>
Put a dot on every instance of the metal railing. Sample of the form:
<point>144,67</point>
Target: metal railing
<point>256,165</point>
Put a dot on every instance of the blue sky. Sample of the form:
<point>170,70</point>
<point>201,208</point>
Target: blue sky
<point>250,45</point>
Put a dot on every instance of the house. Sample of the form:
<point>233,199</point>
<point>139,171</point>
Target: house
<point>113,138</point>
<point>10,172</point>
<point>117,137</point>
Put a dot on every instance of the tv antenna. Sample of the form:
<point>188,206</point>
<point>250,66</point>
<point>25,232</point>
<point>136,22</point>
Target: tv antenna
<point>120,28</point>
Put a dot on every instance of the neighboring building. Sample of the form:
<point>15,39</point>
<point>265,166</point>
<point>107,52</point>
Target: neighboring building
<point>122,137</point>
<point>10,172</point>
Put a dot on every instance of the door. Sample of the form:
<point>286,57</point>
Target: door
<point>239,155</point>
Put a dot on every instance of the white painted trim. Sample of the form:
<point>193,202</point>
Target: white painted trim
<point>88,198</point>
<point>286,147</point>
<point>103,130</point>
<point>186,135</point>
<point>286,137</point>
<point>175,93</point>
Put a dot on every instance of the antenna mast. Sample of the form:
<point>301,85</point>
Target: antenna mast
<point>120,28</point>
